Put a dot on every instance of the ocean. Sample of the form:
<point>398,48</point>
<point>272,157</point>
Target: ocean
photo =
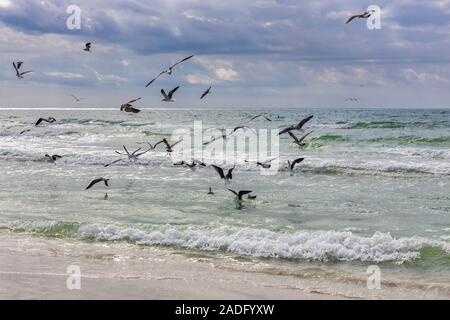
<point>374,189</point>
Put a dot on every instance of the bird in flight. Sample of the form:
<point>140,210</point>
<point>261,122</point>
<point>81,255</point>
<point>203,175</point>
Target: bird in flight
<point>76,98</point>
<point>169,70</point>
<point>241,193</point>
<point>260,115</point>
<point>205,93</point>
<point>48,120</point>
<point>298,141</point>
<point>169,147</point>
<point>364,15</point>
<point>264,164</point>
<point>52,158</point>
<point>131,156</point>
<point>292,165</point>
<point>297,126</point>
<point>19,74</point>
<point>210,191</point>
<point>128,106</point>
<point>168,96</point>
<point>87,47</point>
<point>228,177</point>
<point>97,180</point>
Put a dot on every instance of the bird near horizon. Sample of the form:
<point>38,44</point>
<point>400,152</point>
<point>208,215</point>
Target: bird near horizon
<point>48,120</point>
<point>205,93</point>
<point>17,67</point>
<point>299,141</point>
<point>168,96</point>
<point>298,126</point>
<point>128,106</point>
<point>76,98</point>
<point>169,70</point>
<point>240,194</point>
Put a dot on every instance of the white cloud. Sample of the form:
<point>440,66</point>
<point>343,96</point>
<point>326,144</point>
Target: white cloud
<point>64,75</point>
<point>226,74</point>
<point>5,3</point>
<point>198,79</point>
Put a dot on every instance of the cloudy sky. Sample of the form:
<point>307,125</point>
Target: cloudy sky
<point>255,53</point>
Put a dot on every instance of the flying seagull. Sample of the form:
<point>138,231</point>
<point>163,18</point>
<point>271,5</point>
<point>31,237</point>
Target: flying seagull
<point>228,177</point>
<point>128,106</point>
<point>364,15</point>
<point>97,180</point>
<point>292,165</point>
<point>240,193</point>
<point>298,141</point>
<point>210,191</point>
<point>87,47</point>
<point>260,115</point>
<point>297,126</point>
<point>168,97</point>
<point>205,93</point>
<point>17,66</point>
<point>48,120</point>
<point>131,156</point>
<point>52,158</point>
<point>193,165</point>
<point>265,164</point>
<point>169,70</point>
<point>169,147</point>
<point>76,98</point>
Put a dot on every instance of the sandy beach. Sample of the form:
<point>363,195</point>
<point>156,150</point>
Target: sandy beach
<point>36,268</point>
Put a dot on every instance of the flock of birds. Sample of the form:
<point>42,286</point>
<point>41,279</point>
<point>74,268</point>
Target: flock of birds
<point>225,174</point>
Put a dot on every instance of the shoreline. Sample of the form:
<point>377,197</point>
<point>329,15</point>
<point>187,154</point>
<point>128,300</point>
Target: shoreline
<point>35,267</point>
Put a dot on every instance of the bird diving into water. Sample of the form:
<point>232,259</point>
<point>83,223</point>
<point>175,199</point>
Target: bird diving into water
<point>169,70</point>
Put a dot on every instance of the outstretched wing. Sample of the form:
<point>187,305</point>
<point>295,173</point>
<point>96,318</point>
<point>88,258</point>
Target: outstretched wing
<point>93,182</point>
<point>133,101</point>
<point>172,92</point>
<point>39,121</point>
<point>114,162</point>
<point>294,137</point>
<point>162,72</point>
<point>296,161</point>
<point>243,193</point>
<point>219,170</point>
<point>352,17</point>
<point>205,93</point>
<point>15,68</point>
<point>235,193</point>
<point>164,94</point>
<point>303,121</point>
<point>25,72</point>
<point>183,60</point>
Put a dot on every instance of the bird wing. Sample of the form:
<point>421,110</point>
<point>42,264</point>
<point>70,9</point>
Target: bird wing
<point>93,182</point>
<point>268,119</point>
<point>164,94</point>
<point>187,58</point>
<point>205,93</point>
<point>236,194</point>
<point>88,45</point>
<point>111,163</point>
<point>296,161</point>
<point>304,136</point>
<point>19,64</point>
<point>25,72</point>
<point>126,150</point>
<point>219,170</point>
<point>303,121</point>
<point>15,68</point>
<point>39,121</point>
<point>55,156</point>
<point>259,115</point>
<point>172,92</point>
<point>173,145</point>
<point>133,101</point>
<point>352,17</point>
<point>162,141</point>
<point>131,109</point>
<point>290,128</point>
<point>243,193</point>
<point>294,137</point>
<point>230,173</point>
<point>134,152</point>
<point>162,72</point>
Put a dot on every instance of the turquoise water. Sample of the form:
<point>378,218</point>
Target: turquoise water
<point>374,187</point>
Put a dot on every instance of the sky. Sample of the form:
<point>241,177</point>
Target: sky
<point>254,53</point>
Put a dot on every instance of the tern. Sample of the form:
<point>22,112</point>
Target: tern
<point>228,177</point>
<point>128,106</point>
<point>364,15</point>
<point>297,126</point>
<point>205,93</point>
<point>298,141</point>
<point>292,165</point>
<point>169,70</point>
<point>17,66</point>
<point>168,97</point>
<point>48,120</point>
<point>97,180</point>
<point>52,158</point>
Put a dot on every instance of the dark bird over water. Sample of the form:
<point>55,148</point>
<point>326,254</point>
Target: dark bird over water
<point>210,191</point>
<point>292,165</point>
<point>205,93</point>
<point>228,177</point>
<point>298,141</point>
<point>264,164</point>
<point>169,70</point>
<point>169,147</point>
<point>53,158</point>
<point>128,106</point>
<point>296,126</point>
<point>240,193</point>
<point>97,180</point>
<point>48,120</point>
<point>260,115</point>
<point>168,96</point>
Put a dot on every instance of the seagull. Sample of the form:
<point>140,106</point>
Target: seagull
<point>251,197</point>
<point>204,94</point>
<point>266,164</point>
<point>260,115</point>
<point>17,66</point>
<point>97,180</point>
<point>227,178</point>
<point>297,126</point>
<point>87,47</point>
<point>131,156</point>
<point>239,127</point>
<point>210,191</point>
<point>223,136</point>
<point>298,141</point>
<point>48,120</point>
<point>169,147</point>
<point>169,70</point>
<point>292,165</point>
<point>128,106</point>
<point>106,196</point>
<point>364,15</point>
<point>193,165</point>
<point>26,130</point>
<point>168,97</point>
<point>76,98</point>
<point>240,193</point>
<point>53,158</point>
